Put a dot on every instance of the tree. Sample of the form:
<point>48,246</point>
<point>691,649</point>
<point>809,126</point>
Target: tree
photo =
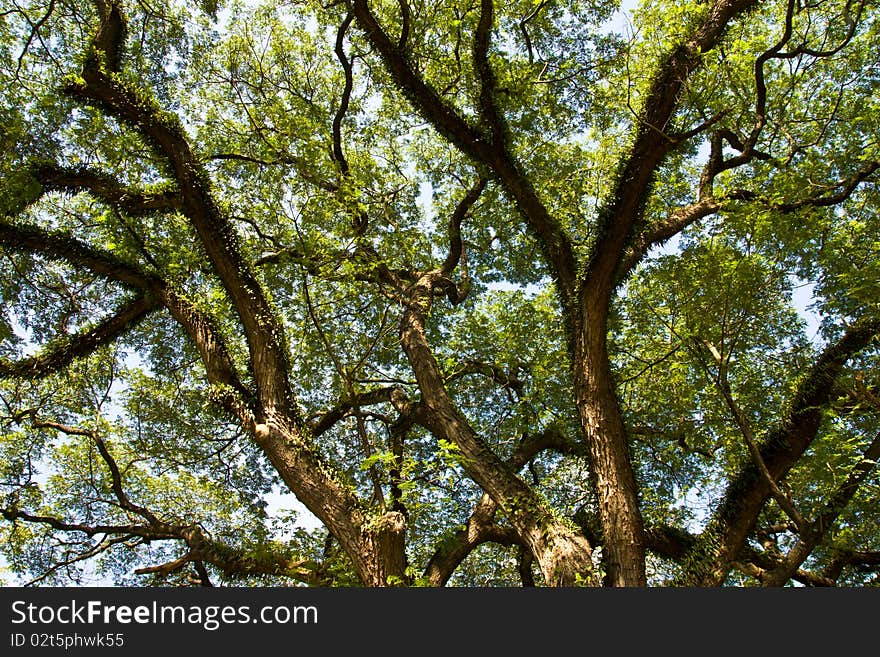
<point>505,293</point>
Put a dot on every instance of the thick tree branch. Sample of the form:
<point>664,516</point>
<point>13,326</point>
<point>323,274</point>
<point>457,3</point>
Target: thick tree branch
<point>734,519</point>
<point>490,114</point>
<point>163,131</point>
<point>811,535</point>
<point>26,238</point>
<point>110,38</point>
<point>423,97</point>
<point>62,351</point>
<point>107,189</point>
<point>844,558</point>
<point>227,559</point>
<point>650,146</point>
<point>673,225</point>
<point>59,246</point>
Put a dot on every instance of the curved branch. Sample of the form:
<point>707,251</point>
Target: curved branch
<point>844,558</point>
<point>456,245</point>
<point>164,133</point>
<point>480,527</point>
<point>708,205</point>
<point>674,224</point>
<point>338,155</point>
<point>115,475</point>
<point>325,422</point>
<point>847,187</point>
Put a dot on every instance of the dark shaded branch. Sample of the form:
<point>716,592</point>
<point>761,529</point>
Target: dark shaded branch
<point>325,422</point>
<point>735,518</point>
<point>760,83</point>
<point>202,572</point>
<point>125,502</point>
<point>479,529</point>
<point>844,558</point>
<point>405,19</point>
<point>62,351</point>
<point>423,97</point>
<point>497,374</point>
<point>523,27</point>
<point>670,542</point>
<point>107,189</point>
<point>26,238</point>
<point>202,548</point>
<point>338,155</point>
<point>663,540</point>
<point>853,23</point>
<point>524,563</point>
<point>674,224</point>
<point>456,245</point>
<point>811,535</point>
<point>144,531</point>
<point>490,114</point>
<point>110,38</point>
<point>34,33</point>
<point>847,187</point>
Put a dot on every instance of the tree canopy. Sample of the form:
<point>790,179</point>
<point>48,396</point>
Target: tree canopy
<point>503,293</point>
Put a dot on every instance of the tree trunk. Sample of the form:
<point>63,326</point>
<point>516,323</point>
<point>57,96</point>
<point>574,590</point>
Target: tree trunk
<point>610,465</point>
<point>383,551</point>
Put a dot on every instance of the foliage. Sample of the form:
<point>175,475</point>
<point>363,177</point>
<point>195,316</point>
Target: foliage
<point>478,284</point>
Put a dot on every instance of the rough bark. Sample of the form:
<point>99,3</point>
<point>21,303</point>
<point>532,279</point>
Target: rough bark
<point>610,465</point>
<point>563,555</point>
